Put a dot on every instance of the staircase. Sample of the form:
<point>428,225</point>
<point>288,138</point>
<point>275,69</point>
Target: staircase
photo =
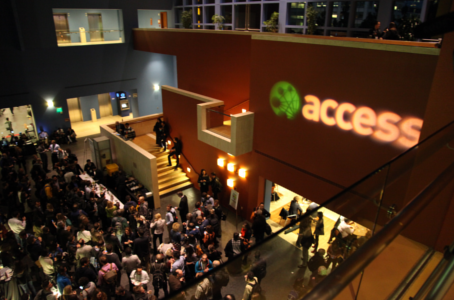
<point>170,180</point>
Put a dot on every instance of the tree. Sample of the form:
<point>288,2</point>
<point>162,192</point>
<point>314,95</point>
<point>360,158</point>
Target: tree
<point>311,20</point>
<point>186,19</point>
<point>271,24</point>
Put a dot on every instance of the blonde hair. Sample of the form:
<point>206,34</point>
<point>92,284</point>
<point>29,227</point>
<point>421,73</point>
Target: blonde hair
<point>67,290</point>
<point>158,216</point>
<point>109,204</point>
<point>176,226</point>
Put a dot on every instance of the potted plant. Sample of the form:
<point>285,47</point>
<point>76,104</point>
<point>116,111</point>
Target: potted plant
<point>186,19</point>
<point>271,24</point>
<point>218,20</point>
<point>311,20</point>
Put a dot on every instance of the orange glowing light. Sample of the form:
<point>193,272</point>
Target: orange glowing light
<point>329,103</point>
<point>363,120</point>
<point>311,111</point>
<point>221,162</point>
<point>242,173</point>
<point>231,167</point>
<point>387,130</point>
<point>340,115</point>
<point>230,182</point>
<point>189,170</point>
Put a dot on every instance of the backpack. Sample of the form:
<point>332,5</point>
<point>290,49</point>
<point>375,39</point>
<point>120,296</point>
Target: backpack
<point>174,214</point>
<point>268,230</point>
<point>158,277</point>
<point>256,289</point>
<point>110,276</point>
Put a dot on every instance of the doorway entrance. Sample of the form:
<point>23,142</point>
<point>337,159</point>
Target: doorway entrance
<point>87,113</point>
<point>247,17</point>
<point>95,27</point>
<point>17,121</point>
<point>62,28</point>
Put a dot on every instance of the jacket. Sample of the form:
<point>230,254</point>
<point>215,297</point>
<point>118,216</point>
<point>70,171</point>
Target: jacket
<point>199,266</point>
<point>158,226</point>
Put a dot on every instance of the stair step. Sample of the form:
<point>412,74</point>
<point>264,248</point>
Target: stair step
<point>167,172</point>
<point>159,153</point>
<point>171,176</point>
<point>174,188</point>
<point>161,157</point>
<point>164,163</point>
<point>165,168</point>
<point>171,183</point>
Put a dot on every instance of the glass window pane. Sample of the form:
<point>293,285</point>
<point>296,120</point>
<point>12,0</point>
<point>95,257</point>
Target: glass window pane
<point>198,14</point>
<point>209,12</point>
<point>269,9</point>
<point>240,16</point>
<point>295,13</point>
<point>405,10</point>
<point>294,30</point>
<point>188,2</point>
<point>254,15</point>
<point>178,2</point>
<point>178,14</point>
<point>366,14</point>
<point>340,14</point>
<point>320,7</point>
<point>226,12</point>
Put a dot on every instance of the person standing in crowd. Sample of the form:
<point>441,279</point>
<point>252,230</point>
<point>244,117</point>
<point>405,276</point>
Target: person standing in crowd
<point>204,290</point>
<point>62,279</point>
<point>156,128</point>
<point>88,168</point>
<point>203,181</point>
<point>317,261</point>
<point>319,229</point>
<point>54,153</point>
<point>159,270</point>
<point>46,292</point>
<point>122,294</point>
<point>391,33</point>
<point>170,217</point>
<point>346,228</point>
<point>16,225</point>
<point>375,32</point>
<point>139,277</point>
<point>259,226</point>
<point>142,247</point>
<point>157,228</point>
<point>265,213</point>
<point>130,261</point>
<point>183,207</point>
<point>234,247</point>
<point>9,125</point>
<point>305,240</point>
<point>119,128</point>
<point>251,282</point>
<point>163,138</point>
<point>176,282</point>
<point>42,151</point>
<point>176,150</point>
<point>216,185</point>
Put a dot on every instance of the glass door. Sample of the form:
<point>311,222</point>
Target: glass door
<point>62,28</point>
<point>95,27</point>
<point>247,17</point>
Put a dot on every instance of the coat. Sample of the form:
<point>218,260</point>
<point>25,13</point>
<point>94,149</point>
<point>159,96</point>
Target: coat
<point>320,227</point>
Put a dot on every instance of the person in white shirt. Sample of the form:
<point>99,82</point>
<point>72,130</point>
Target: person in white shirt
<point>16,225</point>
<point>54,150</point>
<point>157,228</point>
<point>83,234</point>
<point>83,251</point>
<point>346,228</point>
<point>46,263</point>
<point>139,277</point>
<point>170,217</point>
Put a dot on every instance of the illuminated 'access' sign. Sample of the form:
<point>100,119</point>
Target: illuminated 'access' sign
<point>386,126</point>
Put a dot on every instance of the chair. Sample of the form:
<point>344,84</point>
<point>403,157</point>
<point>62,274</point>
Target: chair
<point>283,214</point>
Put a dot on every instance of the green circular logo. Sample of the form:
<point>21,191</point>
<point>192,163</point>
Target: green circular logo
<point>284,100</point>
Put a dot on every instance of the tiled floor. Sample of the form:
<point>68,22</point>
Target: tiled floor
<point>88,128</point>
<point>20,120</point>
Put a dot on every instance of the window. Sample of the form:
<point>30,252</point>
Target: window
<point>295,13</point>
<point>226,12</point>
<point>83,27</point>
<point>340,14</point>
<point>366,14</point>
<point>209,13</point>
<point>406,10</point>
<point>320,7</point>
<point>198,15</point>
<point>294,30</point>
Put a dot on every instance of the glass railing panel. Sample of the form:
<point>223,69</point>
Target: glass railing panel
<point>218,122</point>
<point>87,38</point>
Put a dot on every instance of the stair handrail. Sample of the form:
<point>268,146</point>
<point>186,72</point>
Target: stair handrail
<point>345,273</point>
<point>225,110</point>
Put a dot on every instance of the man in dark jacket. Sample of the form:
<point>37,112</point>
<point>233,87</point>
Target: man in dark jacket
<point>86,270</point>
<point>183,207</point>
<point>259,226</point>
<point>142,247</point>
<point>176,150</point>
<point>305,239</point>
<point>216,185</point>
<point>234,247</point>
<point>176,282</point>
<point>317,261</point>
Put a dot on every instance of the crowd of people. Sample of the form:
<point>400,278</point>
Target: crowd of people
<point>60,237</point>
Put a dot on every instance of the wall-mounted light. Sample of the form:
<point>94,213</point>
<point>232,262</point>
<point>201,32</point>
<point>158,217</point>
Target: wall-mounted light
<point>242,173</point>
<point>189,170</point>
<point>243,110</point>
<point>156,87</point>
<point>230,182</point>
<point>50,103</point>
<point>231,154</point>
<point>231,167</point>
<point>221,162</point>
<point>169,142</point>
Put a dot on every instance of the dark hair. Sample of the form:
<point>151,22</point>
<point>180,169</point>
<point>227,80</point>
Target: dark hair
<point>236,235</point>
<point>84,261</point>
<point>141,231</point>
<point>128,250</point>
<point>83,281</point>
<point>250,275</point>
<point>213,174</point>
<point>103,260</point>
<point>45,284</point>
<point>120,289</point>
<point>257,254</point>
<point>320,214</point>
<point>61,270</point>
<point>109,248</point>
<point>392,25</point>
